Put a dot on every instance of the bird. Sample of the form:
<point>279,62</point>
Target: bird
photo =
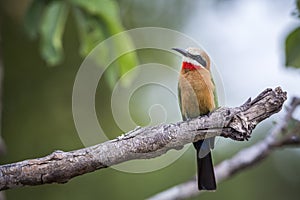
<point>197,97</point>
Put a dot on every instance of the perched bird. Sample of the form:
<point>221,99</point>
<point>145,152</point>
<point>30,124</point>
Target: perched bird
<point>197,96</point>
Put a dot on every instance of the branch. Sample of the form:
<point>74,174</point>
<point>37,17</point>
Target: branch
<point>286,133</point>
<point>149,142</point>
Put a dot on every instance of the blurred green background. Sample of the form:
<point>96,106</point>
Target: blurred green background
<point>246,40</point>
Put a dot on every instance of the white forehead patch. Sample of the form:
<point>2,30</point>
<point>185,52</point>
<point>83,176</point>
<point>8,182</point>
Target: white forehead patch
<point>194,51</point>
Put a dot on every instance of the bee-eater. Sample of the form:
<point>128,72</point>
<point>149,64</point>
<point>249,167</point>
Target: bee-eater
<point>197,96</point>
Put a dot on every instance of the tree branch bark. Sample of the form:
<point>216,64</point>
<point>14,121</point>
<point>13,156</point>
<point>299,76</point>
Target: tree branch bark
<point>148,142</point>
<point>286,133</point>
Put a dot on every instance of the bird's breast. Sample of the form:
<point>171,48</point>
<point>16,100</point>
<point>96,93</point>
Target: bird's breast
<point>197,93</point>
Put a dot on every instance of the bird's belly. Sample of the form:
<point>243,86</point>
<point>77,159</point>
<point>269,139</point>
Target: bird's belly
<point>199,104</point>
<point>197,97</point>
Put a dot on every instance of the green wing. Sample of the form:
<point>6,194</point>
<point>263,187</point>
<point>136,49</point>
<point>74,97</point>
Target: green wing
<point>215,94</point>
<point>179,102</point>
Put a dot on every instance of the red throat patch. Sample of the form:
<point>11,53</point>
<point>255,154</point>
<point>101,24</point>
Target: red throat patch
<point>190,66</point>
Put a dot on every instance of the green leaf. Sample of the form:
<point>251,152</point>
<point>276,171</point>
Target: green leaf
<point>103,9</point>
<point>111,76</point>
<point>126,61</point>
<point>292,49</point>
<point>107,14</point>
<point>33,17</point>
<point>90,31</point>
<point>129,60</point>
<point>51,30</point>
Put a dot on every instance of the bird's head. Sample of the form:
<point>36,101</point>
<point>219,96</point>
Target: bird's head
<point>194,59</point>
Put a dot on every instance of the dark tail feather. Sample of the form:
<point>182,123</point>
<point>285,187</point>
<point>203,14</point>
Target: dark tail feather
<point>206,175</point>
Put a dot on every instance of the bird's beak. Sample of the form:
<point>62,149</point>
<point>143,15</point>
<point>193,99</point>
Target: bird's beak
<point>182,51</point>
<point>197,58</point>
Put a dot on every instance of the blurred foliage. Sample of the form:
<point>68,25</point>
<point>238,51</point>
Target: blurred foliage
<point>37,111</point>
<point>38,100</point>
<point>292,47</point>
<point>95,20</point>
<point>51,29</point>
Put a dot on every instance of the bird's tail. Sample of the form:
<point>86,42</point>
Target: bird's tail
<point>206,175</point>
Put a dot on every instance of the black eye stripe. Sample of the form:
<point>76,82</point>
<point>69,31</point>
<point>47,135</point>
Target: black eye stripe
<point>199,59</point>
